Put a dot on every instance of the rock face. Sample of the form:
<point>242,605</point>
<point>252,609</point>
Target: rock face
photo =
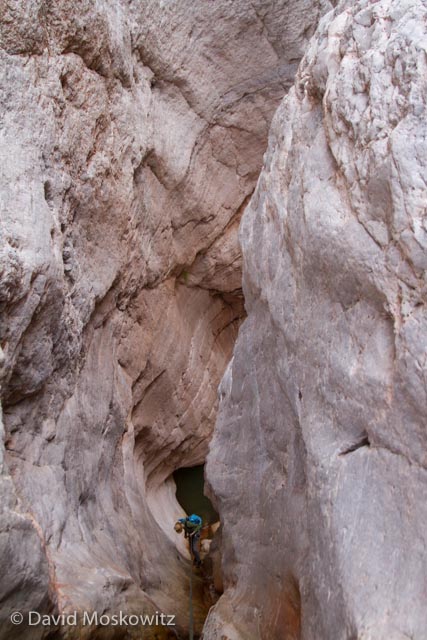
<point>319,460</point>
<point>132,138</point>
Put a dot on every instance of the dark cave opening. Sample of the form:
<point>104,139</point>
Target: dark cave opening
<point>189,493</point>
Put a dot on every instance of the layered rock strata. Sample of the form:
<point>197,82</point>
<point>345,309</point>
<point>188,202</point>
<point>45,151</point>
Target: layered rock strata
<point>318,463</point>
<point>132,138</point>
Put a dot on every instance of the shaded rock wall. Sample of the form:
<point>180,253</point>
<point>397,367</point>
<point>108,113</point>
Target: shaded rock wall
<point>132,137</point>
<point>318,462</point>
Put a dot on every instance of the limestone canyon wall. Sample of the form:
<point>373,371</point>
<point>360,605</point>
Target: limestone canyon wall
<point>318,463</point>
<point>132,136</point>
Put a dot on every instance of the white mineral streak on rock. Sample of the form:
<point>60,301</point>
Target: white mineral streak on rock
<point>324,537</point>
<point>132,134</point>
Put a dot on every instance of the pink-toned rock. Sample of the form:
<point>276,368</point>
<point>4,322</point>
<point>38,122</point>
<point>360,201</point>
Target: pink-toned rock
<point>318,462</point>
<point>132,136</point>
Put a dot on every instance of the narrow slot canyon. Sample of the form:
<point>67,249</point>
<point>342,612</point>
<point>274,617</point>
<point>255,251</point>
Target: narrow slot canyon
<point>174,403</point>
<point>213,304</point>
<point>207,581</point>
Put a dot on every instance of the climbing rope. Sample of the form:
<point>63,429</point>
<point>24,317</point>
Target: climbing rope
<point>178,528</point>
<point>191,624</point>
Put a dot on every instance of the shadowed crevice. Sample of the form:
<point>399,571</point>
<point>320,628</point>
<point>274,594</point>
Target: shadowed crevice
<point>364,442</point>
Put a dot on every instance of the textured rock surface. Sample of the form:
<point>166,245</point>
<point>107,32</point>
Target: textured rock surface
<point>319,459</point>
<point>132,136</point>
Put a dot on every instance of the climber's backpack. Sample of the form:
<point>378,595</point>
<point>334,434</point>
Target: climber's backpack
<point>195,519</point>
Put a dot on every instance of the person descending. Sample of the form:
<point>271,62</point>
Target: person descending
<point>192,526</point>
